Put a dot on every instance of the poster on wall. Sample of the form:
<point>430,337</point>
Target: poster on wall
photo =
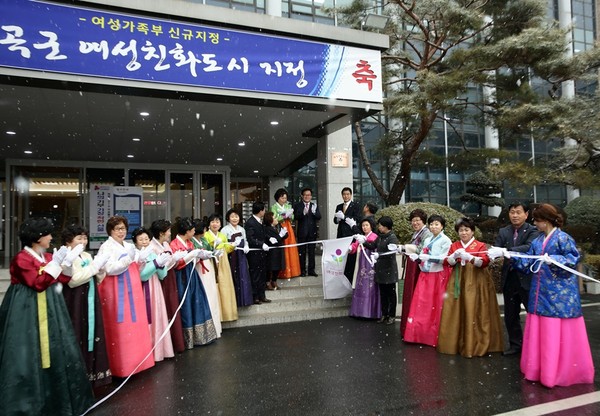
<point>100,211</point>
<point>127,202</point>
<point>106,201</point>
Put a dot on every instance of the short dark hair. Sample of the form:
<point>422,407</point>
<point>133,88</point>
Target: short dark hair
<point>438,218</point>
<point>372,207</point>
<point>159,226</point>
<point>518,204</point>
<point>114,221</point>
<point>346,188</point>
<point>33,229</point>
<point>70,232</point>
<point>386,221</point>
<point>465,222</point>
<point>268,218</point>
<point>213,217</point>
<point>233,211</point>
<point>418,213</point>
<point>305,189</point>
<point>281,192</point>
<point>199,226</point>
<point>370,220</point>
<point>257,207</point>
<point>137,232</point>
<point>184,224</point>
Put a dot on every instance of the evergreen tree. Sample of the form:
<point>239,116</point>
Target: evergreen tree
<point>439,49</point>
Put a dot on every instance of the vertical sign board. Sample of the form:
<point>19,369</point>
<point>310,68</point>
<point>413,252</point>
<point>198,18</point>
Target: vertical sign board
<point>100,212</point>
<point>106,201</point>
<point>127,202</point>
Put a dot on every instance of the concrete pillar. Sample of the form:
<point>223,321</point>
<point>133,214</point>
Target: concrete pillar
<point>332,179</point>
<point>491,141</point>
<point>565,20</point>
<point>273,7</point>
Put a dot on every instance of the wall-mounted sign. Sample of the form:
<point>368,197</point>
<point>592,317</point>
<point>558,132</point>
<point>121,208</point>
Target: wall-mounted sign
<point>339,159</point>
<point>69,39</point>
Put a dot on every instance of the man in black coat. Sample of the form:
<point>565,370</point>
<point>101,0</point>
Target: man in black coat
<point>307,214</point>
<point>257,259</point>
<point>515,285</point>
<point>346,216</point>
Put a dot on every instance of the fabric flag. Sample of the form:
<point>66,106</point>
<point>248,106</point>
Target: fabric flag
<point>335,254</point>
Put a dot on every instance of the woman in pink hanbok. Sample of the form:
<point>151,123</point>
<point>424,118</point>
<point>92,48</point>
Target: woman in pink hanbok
<point>128,340</point>
<point>152,272</point>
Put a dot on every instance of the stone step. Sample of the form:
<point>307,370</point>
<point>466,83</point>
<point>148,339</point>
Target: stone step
<point>288,316</point>
<point>293,304</point>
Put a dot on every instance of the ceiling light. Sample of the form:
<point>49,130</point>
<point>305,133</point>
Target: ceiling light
<point>12,133</point>
<point>136,139</point>
<point>255,171</point>
<point>130,156</point>
<point>274,123</point>
<point>219,159</point>
<point>242,144</point>
<point>28,152</point>
<point>144,113</point>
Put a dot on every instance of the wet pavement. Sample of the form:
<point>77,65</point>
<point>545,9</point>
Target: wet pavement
<point>339,366</point>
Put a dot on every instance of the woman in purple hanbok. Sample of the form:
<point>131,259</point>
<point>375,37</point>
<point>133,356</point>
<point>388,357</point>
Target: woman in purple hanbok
<point>237,258</point>
<point>366,302</point>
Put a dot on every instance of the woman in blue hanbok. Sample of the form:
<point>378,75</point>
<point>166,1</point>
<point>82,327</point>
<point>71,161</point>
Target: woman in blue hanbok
<point>198,325</point>
<point>556,350</point>
<point>237,258</point>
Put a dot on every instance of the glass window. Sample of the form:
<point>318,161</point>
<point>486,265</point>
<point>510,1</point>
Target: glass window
<point>211,194</point>
<point>154,193</point>
<point>181,187</point>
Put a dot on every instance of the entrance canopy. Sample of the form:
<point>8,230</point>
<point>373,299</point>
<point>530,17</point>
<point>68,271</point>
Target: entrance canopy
<point>70,88</point>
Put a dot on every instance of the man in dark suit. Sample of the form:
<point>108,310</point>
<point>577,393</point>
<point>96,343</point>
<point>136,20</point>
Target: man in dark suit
<point>515,285</point>
<point>307,214</point>
<point>257,259</point>
<point>346,215</point>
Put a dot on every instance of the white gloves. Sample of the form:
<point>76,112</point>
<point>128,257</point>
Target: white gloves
<point>495,252</point>
<point>273,240</point>
<point>162,259</point>
<point>237,241</point>
<point>340,215</point>
<point>456,255</point>
<point>424,257</point>
<point>466,257</point>
<point>413,256</point>
<point>374,257</point>
<point>167,247</point>
<point>100,260</point>
<point>144,253</point>
<point>178,255</point>
<point>72,255</point>
<point>59,255</point>
<point>191,255</point>
<point>313,208</point>
<point>350,221</point>
<point>265,247</point>
<point>283,232</point>
<point>206,254</point>
<point>392,247</point>
<point>246,249</point>
<point>289,213</point>
<point>217,242</point>
<point>360,238</point>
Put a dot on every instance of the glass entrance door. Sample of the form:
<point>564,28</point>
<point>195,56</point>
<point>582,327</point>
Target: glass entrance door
<point>195,194</point>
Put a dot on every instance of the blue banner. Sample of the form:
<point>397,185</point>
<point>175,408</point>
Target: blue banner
<point>60,38</point>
